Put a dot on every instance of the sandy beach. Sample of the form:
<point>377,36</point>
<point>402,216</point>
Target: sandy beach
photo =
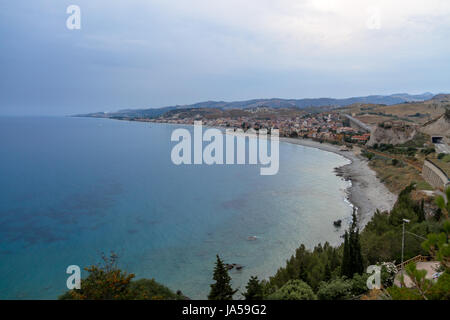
<point>367,192</point>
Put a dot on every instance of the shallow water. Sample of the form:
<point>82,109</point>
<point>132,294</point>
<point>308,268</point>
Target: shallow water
<point>72,188</point>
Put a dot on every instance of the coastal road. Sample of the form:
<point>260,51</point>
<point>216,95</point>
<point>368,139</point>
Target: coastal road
<point>359,123</point>
<point>442,148</point>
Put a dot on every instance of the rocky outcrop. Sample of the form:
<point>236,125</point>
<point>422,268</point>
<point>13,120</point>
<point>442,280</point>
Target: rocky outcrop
<point>391,134</point>
<point>439,126</point>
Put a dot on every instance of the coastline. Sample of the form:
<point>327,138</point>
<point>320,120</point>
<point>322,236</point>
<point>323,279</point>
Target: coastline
<point>367,193</point>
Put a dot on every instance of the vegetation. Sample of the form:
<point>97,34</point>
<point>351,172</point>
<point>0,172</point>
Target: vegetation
<point>396,174</point>
<point>440,201</point>
<point>438,245</point>
<point>255,290</point>
<point>422,285</point>
<point>294,290</point>
<point>107,282</point>
<point>447,113</point>
<point>338,273</point>
<point>336,289</point>
<point>352,259</point>
<point>312,267</point>
<point>221,289</point>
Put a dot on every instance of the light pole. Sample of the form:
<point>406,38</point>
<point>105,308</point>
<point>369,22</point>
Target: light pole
<point>403,245</point>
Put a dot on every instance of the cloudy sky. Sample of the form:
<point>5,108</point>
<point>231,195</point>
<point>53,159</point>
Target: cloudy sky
<point>153,53</point>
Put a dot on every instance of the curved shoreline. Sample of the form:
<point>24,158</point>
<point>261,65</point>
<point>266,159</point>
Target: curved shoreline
<point>367,193</point>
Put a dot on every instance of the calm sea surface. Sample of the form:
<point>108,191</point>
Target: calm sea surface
<point>72,188</point>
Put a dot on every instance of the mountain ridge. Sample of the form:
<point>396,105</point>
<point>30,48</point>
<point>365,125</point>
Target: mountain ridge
<point>392,99</point>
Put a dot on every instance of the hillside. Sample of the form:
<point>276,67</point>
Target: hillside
<point>272,103</point>
<point>391,135</point>
<point>418,112</point>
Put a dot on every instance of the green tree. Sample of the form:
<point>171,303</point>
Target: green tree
<point>438,245</point>
<point>254,289</point>
<point>345,267</point>
<point>294,290</point>
<point>441,290</point>
<point>440,201</point>
<point>221,289</point>
<point>421,211</point>
<point>421,288</point>
<point>105,282</point>
<point>149,289</point>
<point>336,289</point>
<point>352,261</point>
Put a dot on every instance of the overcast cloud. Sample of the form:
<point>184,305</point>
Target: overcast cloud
<point>153,53</point>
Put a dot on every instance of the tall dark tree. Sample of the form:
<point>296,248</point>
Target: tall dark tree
<point>221,289</point>
<point>254,289</point>
<point>352,261</point>
<point>421,211</point>
<point>302,272</point>
<point>358,265</point>
<point>345,268</point>
<point>327,272</point>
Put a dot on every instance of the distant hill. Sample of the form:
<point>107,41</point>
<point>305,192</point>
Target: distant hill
<point>272,103</point>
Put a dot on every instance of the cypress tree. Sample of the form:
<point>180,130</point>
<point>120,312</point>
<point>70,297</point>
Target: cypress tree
<point>358,263</point>
<point>254,289</point>
<point>345,270</point>
<point>327,272</point>
<point>221,289</point>
<point>421,211</point>
<point>352,261</point>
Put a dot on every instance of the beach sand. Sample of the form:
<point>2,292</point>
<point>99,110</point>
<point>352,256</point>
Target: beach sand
<point>367,192</point>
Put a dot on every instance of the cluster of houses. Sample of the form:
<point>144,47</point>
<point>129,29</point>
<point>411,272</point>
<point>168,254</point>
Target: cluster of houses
<point>326,126</point>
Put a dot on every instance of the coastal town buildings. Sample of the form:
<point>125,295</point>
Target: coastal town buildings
<point>328,126</point>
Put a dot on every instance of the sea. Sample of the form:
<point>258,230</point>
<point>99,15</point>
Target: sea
<point>75,189</point>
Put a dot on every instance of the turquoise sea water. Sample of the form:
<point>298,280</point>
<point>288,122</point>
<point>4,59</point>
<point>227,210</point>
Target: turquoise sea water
<point>72,188</point>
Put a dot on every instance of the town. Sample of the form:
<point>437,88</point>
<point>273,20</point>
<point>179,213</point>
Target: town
<point>329,126</point>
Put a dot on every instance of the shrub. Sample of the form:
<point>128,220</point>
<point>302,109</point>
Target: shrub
<point>294,290</point>
<point>336,289</point>
<point>359,284</point>
<point>149,289</point>
<point>107,282</point>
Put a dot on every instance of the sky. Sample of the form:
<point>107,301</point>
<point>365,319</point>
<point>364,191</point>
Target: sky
<point>155,53</point>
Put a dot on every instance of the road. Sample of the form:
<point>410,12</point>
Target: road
<point>359,123</point>
<point>442,148</point>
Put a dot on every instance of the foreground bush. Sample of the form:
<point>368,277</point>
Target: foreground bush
<point>108,282</point>
<point>294,290</point>
<point>337,289</point>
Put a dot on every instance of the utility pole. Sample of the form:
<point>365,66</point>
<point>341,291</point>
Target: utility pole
<point>403,246</point>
